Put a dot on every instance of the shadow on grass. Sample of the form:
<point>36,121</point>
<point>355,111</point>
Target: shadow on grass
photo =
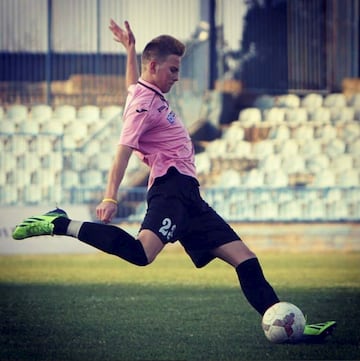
<point>127,322</point>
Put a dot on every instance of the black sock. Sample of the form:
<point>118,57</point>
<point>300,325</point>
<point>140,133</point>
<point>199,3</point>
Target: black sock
<point>113,240</point>
<point>256,289</point>
<point>61,225</point>
<point>107,238</point>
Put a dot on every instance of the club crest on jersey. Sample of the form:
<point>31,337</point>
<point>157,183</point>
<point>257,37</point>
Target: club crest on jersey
<point>171,117</point>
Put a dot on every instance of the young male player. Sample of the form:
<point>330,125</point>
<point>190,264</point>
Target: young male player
<point>175,209</point>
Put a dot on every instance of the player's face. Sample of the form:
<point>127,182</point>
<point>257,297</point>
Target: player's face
<point>167,73</point>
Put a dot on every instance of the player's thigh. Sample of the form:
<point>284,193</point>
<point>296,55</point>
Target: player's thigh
<point>234,252</point>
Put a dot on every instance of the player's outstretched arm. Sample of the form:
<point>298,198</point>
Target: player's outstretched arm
<point>127,39</point>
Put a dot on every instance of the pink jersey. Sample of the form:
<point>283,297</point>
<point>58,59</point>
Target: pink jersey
<point>155,132</point>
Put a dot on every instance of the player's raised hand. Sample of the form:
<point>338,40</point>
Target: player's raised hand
<point>123,36</point>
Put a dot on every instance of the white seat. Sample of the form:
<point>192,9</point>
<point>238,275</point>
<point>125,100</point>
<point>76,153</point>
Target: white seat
<point>337,211</point>
<point>41,112</point>
<point>229,178</point>
<point>281,132</point>
<point>288,101</point>
<point>274,115</point>
<point>88,113</point>
<point>271,162</point>
<point>324,178</point>
<point>267,211</point>
<point>293,164</point>
<point>77,130</point>
<point>42,145</point>
<point>217,148</point>
<point>348,178</point>
<point>17,112</point>
<point>53,126</point>
<point>19,145</point>
<point>9,194</point>
<point>335,100</point>
<point>111,111</point>
<point>342,163</point>
<point>326,132</point>
<point>32,193</point>
<point>250,116</point>
<point>317,163</point>
<point>342,114</point>
<point>310,148</point>
<point>315,210</point>
<point>350,132</point>
<point>7,126</point>
<point>203,163</point>
<point>7,162</point>
<point>29,161</point>
<point>354,147</point>
<point>290,211</point>
<point>70,178</point>
<point>288,147</point>
<point>334,148</point>
<point>234,133</point>
<point>320,115</point>
<point>29,127</point>
<point>296,115</point>
<point>45,177</point>
<point>92,148</point>
<point>312,101</point>
<point>52,161</point>
<point>263,148</point>
<point>102,161</point>
<point>92,178</point>
<point>21,177</point>
<point>76,161</point>
<point>253,179</point>
<point>276,179</point>
<point>304,132</point>
<point>65,112</point>
<point>242,149</point>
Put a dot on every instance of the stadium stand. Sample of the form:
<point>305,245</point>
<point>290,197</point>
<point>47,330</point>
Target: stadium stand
<point>285,158</point>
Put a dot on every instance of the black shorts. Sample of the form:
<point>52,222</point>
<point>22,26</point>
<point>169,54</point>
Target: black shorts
<point>176,212</point>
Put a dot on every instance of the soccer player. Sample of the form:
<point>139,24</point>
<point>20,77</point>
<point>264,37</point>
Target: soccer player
<point>175,209</point>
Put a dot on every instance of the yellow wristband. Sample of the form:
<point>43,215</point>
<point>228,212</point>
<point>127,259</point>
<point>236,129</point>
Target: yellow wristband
<point>110,200</point>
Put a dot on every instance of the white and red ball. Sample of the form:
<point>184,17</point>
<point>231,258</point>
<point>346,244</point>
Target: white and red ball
<point>283,322</point>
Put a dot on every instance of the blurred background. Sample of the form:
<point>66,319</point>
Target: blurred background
<point>269,90</point>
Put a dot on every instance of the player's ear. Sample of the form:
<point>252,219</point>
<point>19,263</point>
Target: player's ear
<point>153,66</point>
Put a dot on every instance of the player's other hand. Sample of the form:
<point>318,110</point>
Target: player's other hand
<point>123,36</point>
<point>106,211</point>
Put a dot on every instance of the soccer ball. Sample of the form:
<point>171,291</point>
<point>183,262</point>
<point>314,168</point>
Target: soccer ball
<point>283,322</point>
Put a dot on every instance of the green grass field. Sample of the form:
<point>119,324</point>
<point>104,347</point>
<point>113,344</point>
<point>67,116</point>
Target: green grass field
<point>97,307</point>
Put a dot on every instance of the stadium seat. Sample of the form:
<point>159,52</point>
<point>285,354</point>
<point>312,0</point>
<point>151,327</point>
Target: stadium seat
<point>263,148</point>
<point>310,148</point>
<point>274,115</point>
<point>45,177</point>
<point>29,161</point>
<point>42,145</point>
<point>32,194</point>
<point>342,163</point>
<point>41,113</point>
<point>111,111</point>
<point>267,211</point>
<point>320,115</point>
<point>326,132</point>
<point>7,126</point>
<point>304,132</point>
<point>271,162</point>
<point>217,148</point>
<point>335,100</point>
<point>288,101</point>
<point>53,126</point>
<point>253,179</point>
<point>296,115</point>
<point>342,114</point>
<point>9,194</point>
<point>76,130</point>
<point>334,148</point>
<point>92,178</point>
<point>312,101</point>
<point>290,211</point>
<point>350,132</point>
<point>276,179</point>
<point>317,163</point>
<point>203,163</point>
<point>29,127</point>
<point>293,164</point>
<point>65,112</point>
<point>288,147</point>
<point>229,178</point>
<point>354,147</point>
<point>70,179</point>
<point>234,133</point>
<point>338,210</point>
<point>17,112</point>
<point>315,210</point>
<point>242,149</point>
<point>250,116</point>
<point>52,161</point>
<point>88,113</point>
<point>19,145</point>
<point>281,132</point>
<point>324,178</point>
<point>348,178</point>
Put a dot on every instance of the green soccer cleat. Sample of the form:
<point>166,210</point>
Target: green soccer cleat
<point>38,225</point>
<point>318,331</point>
